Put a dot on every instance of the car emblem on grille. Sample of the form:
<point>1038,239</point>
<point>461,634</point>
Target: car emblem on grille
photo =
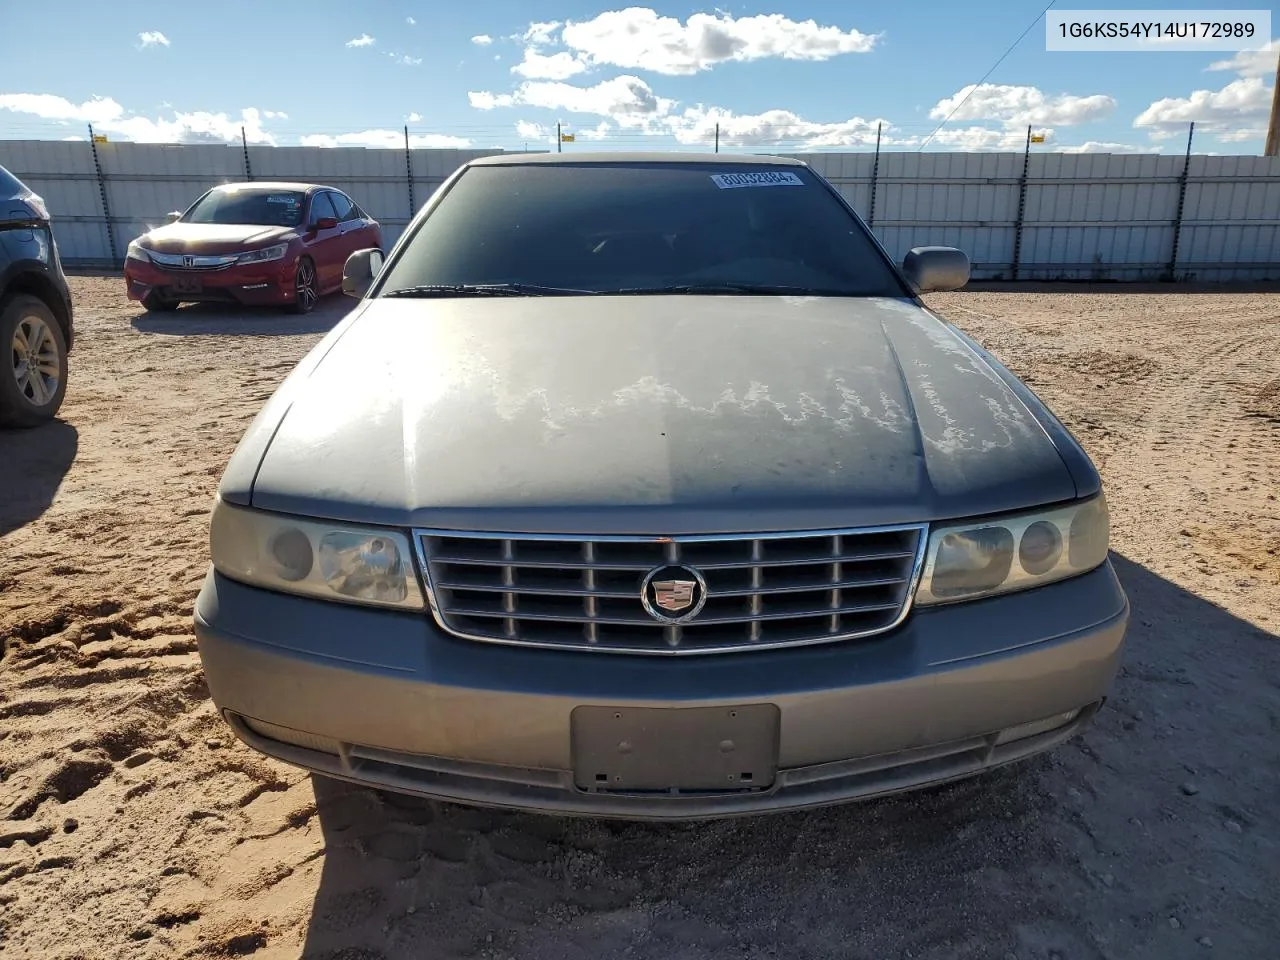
<point>673,594</point>
<point>188,261</point>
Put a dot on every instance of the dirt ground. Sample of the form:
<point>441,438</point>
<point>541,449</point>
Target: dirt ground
<point>132,824</point>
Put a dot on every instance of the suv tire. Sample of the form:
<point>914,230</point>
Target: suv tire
<point>29,334</point>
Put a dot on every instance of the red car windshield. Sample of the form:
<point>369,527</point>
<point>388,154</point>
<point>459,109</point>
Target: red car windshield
<point>274,208</point>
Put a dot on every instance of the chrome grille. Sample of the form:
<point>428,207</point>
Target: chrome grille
<point>761,591</point>
<point>181,261</point>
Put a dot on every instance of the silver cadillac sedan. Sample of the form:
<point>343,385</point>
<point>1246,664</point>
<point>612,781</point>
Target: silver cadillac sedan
<point>645,486</point>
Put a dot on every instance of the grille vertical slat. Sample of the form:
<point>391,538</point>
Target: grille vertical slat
<point>837,575</point>
<point>762,590</point>
<point>673,633</point>
<point>592,603</point>
<point>509,580</point>
<point>756,603</point>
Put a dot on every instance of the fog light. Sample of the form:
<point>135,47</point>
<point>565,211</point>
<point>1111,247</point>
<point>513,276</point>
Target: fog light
<point>1024,730</point>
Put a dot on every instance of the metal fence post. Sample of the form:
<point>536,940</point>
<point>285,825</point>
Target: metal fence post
<point>717,138</point>
<point>1022,209</point>
<point>1182,201</point>
<point>408,169</point>
<point>244,142</point>
<point>875,176</point>
<point>102,192</point>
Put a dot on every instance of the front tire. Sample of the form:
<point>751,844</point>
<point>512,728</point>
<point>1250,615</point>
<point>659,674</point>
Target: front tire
<point>306,287</point>
<point>33,381</point>
<point>154,303</point>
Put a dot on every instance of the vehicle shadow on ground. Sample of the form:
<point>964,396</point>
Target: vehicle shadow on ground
<point>220,320</point>
<point>998,865</point>
<point>33,464</point>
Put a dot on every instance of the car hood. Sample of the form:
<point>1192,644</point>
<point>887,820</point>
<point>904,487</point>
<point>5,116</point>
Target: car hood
<point>208,238</point>
<point>661,414</point>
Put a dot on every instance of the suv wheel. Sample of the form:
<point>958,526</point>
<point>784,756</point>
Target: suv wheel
<point>34,381</point>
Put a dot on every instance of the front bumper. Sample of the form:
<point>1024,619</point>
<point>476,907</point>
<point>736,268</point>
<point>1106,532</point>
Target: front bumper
<point>386,699</point>
<point>249,285</point>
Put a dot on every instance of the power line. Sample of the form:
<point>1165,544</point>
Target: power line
<point>974,88</point>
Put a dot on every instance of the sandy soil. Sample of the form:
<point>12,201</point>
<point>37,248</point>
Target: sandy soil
<point>132,825</point>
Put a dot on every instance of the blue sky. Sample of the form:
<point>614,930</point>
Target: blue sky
<point>778,75</point>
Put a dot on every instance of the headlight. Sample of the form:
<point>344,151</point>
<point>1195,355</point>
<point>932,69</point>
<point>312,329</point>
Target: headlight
<point>983,559</point>
<point>137,251</point>
<point>38,205</point>
<point>333,561</point>
<point>276,252</point>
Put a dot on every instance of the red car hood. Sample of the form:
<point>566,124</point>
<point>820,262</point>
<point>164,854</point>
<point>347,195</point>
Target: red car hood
<point>213,237</point>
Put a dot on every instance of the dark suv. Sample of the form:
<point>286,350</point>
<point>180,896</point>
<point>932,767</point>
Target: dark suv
<point>35,309</point>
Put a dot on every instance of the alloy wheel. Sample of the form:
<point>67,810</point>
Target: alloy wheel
<point>306,285</point>
<point>36,365</point>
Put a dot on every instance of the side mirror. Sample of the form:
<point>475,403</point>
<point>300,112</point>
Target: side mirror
<point>359,272</point>
<point>326,223</point>
<point>173,216</point>
<point>933,269</point>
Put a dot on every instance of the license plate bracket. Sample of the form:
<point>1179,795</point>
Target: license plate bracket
<point>675,749</point>
<point>187,285</point>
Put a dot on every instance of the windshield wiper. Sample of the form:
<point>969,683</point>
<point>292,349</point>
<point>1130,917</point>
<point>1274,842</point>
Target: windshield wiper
<point>745,289</point>
<point>426,290</point>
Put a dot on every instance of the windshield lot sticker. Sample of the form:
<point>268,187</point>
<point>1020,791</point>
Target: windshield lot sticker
<point>283,198</point>
<point>765,178</point>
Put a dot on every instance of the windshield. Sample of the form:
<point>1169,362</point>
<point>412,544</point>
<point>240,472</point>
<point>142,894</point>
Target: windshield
<point>257,207</point>
<point>643,227</point>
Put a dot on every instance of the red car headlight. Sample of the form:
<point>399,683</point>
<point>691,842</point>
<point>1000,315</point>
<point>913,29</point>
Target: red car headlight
<point>266,254</point>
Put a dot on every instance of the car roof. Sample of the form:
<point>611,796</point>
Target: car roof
<point>275,185</point>
<point>710,159</point>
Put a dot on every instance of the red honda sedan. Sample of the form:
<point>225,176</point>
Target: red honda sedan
<point>251,244</point>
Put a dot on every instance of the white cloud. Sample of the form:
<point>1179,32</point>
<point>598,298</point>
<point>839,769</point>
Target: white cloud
<point>414,117</point>
<point>410,21</point>
<point>540,34</point>
<point>628,103</point>
<point>972,138</point>
<point>629,100</point>
<point>405,60</point>
<point>364,40</point>
<point>556,66</point>
<point>1251,63</point>
<point>388,139</point>
<point>482,40</point>
<point>601,131</point>
<point>638,38</point>
<point>108,116</point>
<point>275,115</point>
<point>1100,146</point>
<point>528,130</point>
<point>1238,111</point>
<point>1022,106</point>
<point>152,38</point>
<point>484,100</point>
<point>697,125</point>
